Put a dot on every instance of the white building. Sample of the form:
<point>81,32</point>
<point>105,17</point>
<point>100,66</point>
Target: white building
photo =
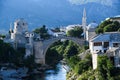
<point>58,34</point>
<point>70,27</point>
<point>107,43</point>
<point>90,31</point>
<point>63,29</point>
<point>20,37</point>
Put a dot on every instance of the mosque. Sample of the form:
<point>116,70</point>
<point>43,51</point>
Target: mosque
<point>89,30</point>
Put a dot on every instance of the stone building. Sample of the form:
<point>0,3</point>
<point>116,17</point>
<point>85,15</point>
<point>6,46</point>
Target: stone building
<point>21,37</point>
<point>106,43</point>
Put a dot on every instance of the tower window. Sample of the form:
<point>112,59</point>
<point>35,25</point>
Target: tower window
<point>18,24</point>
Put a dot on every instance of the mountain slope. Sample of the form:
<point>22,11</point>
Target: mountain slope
<point>55,12</point>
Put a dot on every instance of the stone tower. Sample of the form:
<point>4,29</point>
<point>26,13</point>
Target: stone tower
<point>20,37</point>
<point>18,32</point>
<point>20,26</point>
<point>84,22</point>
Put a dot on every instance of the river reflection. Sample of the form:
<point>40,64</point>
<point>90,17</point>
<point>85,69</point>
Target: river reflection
<point>58,74</point>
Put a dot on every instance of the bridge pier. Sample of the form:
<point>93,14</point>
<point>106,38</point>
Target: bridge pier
<point>40,60</point>
<point>38,50</point>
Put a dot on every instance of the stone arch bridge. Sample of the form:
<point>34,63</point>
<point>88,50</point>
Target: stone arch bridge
<point>41,47</point>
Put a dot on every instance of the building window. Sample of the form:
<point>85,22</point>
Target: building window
<point>98,44</point>
<point>106,44</point>
<point>115,45</point>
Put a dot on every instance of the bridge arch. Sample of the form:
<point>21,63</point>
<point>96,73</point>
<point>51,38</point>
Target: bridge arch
<point>78,41</point>
<point>48,43</point>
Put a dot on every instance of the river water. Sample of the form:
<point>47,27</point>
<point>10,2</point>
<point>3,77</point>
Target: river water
<point>57,74</point>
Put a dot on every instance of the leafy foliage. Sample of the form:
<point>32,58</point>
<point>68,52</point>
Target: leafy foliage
<point>9,55</point>
<point>2,36</point>
<point>76,32</point>
<point>52,57</point>
<point>66,49</point>
<point>104,68</point>
<point>83,65</point>
<point>108,26</point>
<point>43,32</point>
<point>72,61</point>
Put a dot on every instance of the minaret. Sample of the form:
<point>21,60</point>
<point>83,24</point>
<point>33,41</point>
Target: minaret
<point>84,23</point>
<point>10,28</point>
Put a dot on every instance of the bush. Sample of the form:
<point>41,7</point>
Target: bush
<point>108,26</point>
<point>86,47</point>
<point>76,32</point>
<point>83,65</point>
<point>104,68</point>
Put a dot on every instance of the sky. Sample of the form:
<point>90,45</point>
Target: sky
<point>103,2</point>
<point>55,13</point>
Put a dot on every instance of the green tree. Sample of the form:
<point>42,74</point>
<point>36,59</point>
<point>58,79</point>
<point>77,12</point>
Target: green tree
<point>9,55</point>
<point>73,60</point>
<point>43,32</point>
<point>83,65</point>
<point>99,30</point>
<point>1,35</point>
<point>104,68</point>
<point>76,32</point>
<point>108,26</point>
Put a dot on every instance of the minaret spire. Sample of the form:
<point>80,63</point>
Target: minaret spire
<point>84,22</point>
<point>10,30</point>
<point>84,12</point>
<point>10,26</point>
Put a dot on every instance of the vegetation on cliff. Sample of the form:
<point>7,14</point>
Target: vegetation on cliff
<point>58,50</point>
<point>108,26</point>
<point>81,69</point>
<point>15,56</point>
